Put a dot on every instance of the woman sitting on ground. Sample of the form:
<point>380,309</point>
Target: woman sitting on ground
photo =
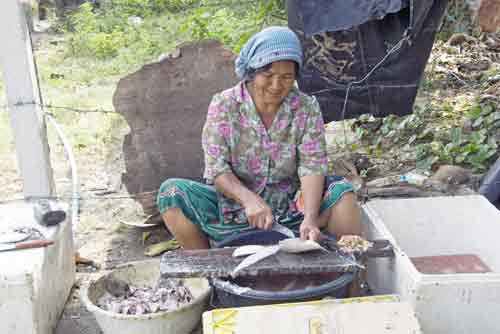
<point>265,157</point>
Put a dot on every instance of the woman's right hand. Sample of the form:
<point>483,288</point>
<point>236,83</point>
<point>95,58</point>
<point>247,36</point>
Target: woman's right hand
<point>258,213</point>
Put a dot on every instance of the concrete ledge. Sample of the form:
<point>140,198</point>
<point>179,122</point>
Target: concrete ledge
<point>34,283</point>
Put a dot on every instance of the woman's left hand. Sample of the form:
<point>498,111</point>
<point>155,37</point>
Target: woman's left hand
<point>310,231</point>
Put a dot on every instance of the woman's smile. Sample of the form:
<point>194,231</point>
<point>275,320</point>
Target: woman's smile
<point>274,84</point>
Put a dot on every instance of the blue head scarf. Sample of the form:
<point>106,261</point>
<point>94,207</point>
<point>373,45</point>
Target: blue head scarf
<point>267,46</point>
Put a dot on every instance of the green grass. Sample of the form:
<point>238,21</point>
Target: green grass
<point>80,66</point>
<point>85,82</point>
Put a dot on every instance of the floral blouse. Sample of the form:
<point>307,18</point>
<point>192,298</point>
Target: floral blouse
<point>268,162</point>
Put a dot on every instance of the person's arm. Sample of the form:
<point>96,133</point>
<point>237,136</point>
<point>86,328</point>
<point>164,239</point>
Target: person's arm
<point>312,168</point>
<point>218,171</point>
<point>258,213</point>
<point>312,192</point>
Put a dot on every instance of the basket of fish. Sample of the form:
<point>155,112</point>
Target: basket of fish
<point>133,298</point>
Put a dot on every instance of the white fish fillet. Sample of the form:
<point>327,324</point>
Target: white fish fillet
<point>247,250</point>
<point>252,259</point>
<point>297,245</point>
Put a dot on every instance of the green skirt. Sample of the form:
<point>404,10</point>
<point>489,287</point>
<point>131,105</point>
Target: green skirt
<point>199,204</point>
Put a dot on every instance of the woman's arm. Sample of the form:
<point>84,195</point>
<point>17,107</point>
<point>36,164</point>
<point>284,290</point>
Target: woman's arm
<point>312,168</point>
<point>218,171</point>
<point>312,193</point>
<point>258,213</point>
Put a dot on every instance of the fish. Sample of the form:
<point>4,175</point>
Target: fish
<point>254,258</point>
<point>258,253</point>
<point>247,250</point>
<point>297,245</point>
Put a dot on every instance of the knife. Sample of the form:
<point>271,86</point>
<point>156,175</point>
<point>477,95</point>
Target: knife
<point>25,245</point>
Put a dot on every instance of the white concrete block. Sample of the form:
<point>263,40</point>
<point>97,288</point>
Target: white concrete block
<point>457,303</point>
<point>366,315</point>
<point>34,283</point>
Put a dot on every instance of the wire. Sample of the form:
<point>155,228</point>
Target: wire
<point>79,197</point>
<point>406,38</point>
<point>51,106</point>
<point>393,50</point>
<point>97,110</point>
<point>121,197</point>
<point>173,9</point>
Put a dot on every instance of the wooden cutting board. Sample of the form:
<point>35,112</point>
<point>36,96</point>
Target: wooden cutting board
<point>219,262</point>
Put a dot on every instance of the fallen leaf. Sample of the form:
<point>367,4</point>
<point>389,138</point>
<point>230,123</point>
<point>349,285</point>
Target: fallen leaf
<point>162,247</point>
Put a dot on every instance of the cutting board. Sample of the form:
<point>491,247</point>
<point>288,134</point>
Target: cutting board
<point>219,262</point>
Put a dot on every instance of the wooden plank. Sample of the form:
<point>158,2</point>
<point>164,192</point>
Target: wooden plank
<point>220,263</point>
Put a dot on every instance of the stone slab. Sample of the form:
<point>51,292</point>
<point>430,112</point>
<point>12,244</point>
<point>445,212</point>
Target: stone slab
<point>165,104</point>
<point>34,283</point>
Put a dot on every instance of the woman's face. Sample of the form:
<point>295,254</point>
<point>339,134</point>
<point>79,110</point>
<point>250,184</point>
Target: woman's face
<point>273,85</point>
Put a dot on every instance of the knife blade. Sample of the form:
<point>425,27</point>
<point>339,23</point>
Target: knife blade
<point>26,245</point>
<point>283,230</point>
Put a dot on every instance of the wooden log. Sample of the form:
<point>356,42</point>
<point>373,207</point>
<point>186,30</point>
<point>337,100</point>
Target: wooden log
<point>399,191</point>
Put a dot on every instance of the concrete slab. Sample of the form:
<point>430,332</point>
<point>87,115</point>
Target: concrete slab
<point>34,283</point>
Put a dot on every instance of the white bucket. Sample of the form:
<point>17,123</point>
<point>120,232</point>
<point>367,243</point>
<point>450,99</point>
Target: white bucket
<point>179,321</point>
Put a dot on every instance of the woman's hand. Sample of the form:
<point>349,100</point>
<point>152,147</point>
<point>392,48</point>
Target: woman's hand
<point>258,213</point>
<point>309,230</point>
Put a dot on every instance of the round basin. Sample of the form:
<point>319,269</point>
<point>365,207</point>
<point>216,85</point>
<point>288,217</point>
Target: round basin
<point>179,321</point>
